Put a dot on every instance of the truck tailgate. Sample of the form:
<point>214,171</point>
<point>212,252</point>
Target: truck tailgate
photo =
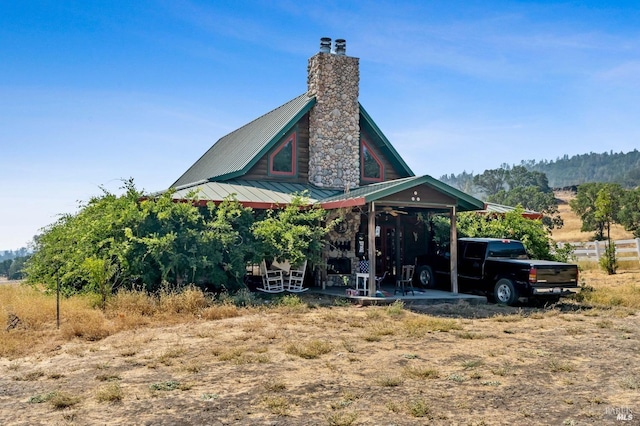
<point>553,273</point>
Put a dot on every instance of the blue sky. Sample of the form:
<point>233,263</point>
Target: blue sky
<point>92,92</point>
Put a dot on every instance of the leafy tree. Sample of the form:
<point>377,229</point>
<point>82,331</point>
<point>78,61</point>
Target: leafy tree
<point>13,268</point>
<point>532,198</point>
<point>231,225</point>
<point>520,176</point>
<point>294,233</point>
<point>4,267</point>
<point>511,225</point>
<point>463,181</point>
<point>491,181</point>
<point>136,240</point>
<point>606,206</point>
<point>584,205</point>
<point>100,274</point>
<point>97,230</point>
<point>629,214</point>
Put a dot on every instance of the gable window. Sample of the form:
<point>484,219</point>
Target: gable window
<point>282,161</point>
<point>371,169</point>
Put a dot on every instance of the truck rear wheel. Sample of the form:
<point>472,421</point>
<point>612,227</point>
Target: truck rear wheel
<point>425,277</point>
<point>505,293</point>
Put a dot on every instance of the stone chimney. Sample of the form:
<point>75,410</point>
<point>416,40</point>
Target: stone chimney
<point>334,121</point>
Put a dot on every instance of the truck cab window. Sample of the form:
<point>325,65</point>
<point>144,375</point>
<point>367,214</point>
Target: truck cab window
<point>474,251</point>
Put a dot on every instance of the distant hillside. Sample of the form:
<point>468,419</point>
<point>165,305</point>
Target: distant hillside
<point>606,167</point>
<point>622,168</point>
<point>12,254</point>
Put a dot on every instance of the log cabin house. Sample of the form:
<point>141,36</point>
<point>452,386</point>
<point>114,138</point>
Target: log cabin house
<point>326,143</point>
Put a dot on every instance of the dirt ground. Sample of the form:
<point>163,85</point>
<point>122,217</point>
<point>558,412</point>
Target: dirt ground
<point>342,365</point>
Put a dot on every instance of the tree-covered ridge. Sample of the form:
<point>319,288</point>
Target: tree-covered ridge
<point>12,254</point>
<point>607,167</point>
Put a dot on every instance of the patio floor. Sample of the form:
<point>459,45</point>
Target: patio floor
<point>421,296</point>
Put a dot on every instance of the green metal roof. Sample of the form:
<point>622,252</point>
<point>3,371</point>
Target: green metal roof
<point>315,193</point>
<point>249,196</point>
<point>502,209</point>
<point>377,191</point>
<point>234,154</point>
<point>266,194</point>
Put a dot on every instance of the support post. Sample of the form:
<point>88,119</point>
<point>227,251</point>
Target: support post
<point>372,249</point>
<point>400,254</point>
<point>58,299</point>
<point>454,252</point>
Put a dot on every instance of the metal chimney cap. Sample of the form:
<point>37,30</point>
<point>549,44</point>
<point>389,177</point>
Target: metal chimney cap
<point>325,45</point>
<point>341,47</point>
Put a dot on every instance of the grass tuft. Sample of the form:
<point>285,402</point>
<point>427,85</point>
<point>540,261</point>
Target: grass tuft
<point>419,408</point>
<point>396,309</point>
<point>389,381</point>
<point>61,400</point>
<point>309,350</point>
<point>220,311</point>
<point>278,405</point>
<point>167,386</point>
<point>39,399</point>
<point>341,418</point>
<point>421,372</point>
<point>107,377</point>
<point>422,325</point>
<point>110,393</point>
<point>472,363</point>
<point>88,324</point>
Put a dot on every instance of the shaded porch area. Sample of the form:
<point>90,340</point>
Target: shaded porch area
<point>386,226</point>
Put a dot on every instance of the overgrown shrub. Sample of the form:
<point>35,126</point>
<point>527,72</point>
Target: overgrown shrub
<point>141,241</point>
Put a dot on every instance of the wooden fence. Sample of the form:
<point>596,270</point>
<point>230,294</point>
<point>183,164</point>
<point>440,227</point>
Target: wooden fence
<point>592,251</point>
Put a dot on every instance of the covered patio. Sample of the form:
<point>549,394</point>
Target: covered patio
<point>392,225</point>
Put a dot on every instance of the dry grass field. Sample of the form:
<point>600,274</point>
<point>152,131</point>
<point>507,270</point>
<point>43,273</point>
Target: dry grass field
<point>182,359</point>
<point>570,232</point>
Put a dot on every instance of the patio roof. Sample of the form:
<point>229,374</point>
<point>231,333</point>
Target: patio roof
<point>263,197</point>
<point>379,191</point>
<point>502,209</point>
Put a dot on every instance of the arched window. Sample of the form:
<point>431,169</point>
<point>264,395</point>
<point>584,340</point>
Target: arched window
<point>282,161</point>
<point>371,168</point>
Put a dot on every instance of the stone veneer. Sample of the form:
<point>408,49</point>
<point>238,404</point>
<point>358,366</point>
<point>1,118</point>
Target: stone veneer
<point>352,222</point>
<point>334,121</point>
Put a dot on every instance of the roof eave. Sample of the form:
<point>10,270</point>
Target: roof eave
<point>463,202</point>
<point>274,140</point>
<point>350,202</point>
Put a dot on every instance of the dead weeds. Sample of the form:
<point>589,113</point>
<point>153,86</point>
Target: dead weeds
<point>304,363</point>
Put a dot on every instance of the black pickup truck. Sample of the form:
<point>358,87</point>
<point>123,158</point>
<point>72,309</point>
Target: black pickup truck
<point>499,268</point>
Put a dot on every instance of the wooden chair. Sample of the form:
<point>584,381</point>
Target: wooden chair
<point>296,279</point>
<point>406,280</point>
<point>272,279</point>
